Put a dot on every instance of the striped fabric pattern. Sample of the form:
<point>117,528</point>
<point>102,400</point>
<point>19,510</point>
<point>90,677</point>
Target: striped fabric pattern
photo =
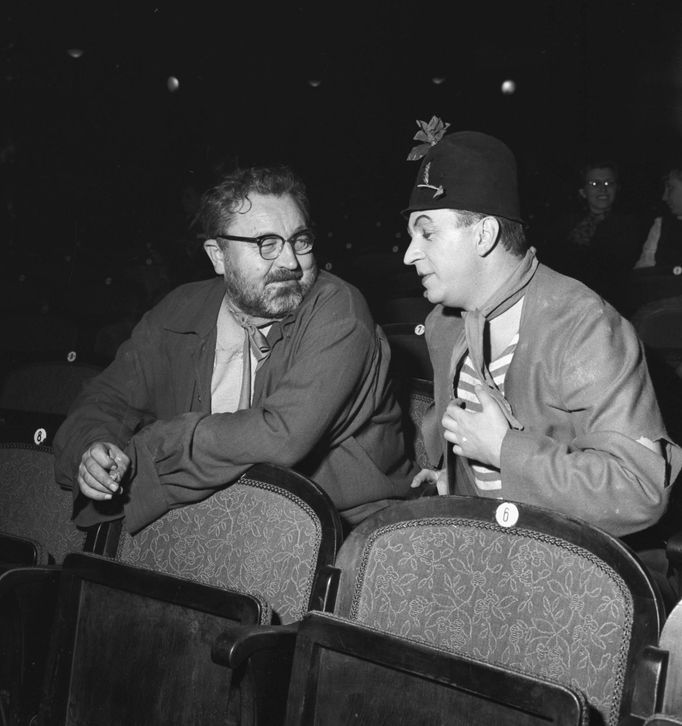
<point>487,478</point>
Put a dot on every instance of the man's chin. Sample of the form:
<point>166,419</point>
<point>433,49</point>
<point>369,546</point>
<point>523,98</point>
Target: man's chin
<point>284,300</point>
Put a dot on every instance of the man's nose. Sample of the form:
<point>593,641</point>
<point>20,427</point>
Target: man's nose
<point>412,254</point>
<point>287,257</point>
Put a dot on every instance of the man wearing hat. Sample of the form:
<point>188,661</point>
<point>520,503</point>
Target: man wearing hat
<point>542,394</point>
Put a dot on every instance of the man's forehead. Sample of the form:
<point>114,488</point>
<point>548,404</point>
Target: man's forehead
<point>257,209</point>
<point>429,215</point>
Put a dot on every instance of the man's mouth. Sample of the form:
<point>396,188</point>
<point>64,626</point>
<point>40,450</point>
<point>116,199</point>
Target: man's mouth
<point>287,277</point>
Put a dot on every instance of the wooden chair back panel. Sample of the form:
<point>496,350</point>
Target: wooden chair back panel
<point>347,673</point>
<point>133,647</point>
<point>168,648</point>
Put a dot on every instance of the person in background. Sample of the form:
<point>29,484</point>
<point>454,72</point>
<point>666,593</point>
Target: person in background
<point>271,361</point>
<point>599,243</point>
<point>662,250</point>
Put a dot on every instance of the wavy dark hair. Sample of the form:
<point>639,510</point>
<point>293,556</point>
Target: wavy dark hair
<point>220,203</point>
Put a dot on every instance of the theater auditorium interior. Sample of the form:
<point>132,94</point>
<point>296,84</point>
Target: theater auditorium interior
<point>116,119</point>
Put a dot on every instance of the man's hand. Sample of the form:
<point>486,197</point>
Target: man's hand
<point>101,470</point>
<point>476,436</point>
<point>432,476</point>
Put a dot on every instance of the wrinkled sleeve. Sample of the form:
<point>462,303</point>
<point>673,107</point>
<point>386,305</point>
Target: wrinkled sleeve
<point>110,407</point>
<point>603,475</point>
<point>186,458</point>
<point>647,257</point>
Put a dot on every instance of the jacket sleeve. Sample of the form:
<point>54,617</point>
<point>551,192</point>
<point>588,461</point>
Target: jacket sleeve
<point>602,474</point>
<point>111,406</point>
<point>185,459</point>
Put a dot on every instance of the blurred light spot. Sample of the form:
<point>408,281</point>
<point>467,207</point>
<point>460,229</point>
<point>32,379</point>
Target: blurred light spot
<point>75,52</point>
<point>314,82</point>
<point>438,80</point>
<point>508,87</point>
<point>172,83</point>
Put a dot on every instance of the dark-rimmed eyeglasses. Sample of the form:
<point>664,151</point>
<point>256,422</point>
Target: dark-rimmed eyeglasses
<point>270,245</point>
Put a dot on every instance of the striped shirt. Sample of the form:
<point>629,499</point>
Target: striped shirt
<point>487,478</point>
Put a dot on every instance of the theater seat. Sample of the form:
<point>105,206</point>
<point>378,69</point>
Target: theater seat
<point>273,534</point>
<point>130,646</point>
<point>409,354</point>
<point>658,687</point>
<point>347,673</point>
<point>268,534</point>
<point>509,585</point>
<point>35,530</point>
<point>32,506</point>
<point>46,386</point>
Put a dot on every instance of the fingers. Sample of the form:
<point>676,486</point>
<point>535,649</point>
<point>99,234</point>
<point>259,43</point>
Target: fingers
<point>442,483</point>
<point>424,477</point>
<point>101,470</point>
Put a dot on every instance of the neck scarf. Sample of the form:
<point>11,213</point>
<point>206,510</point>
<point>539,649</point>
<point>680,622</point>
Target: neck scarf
<point>472,337</point>
<point>254,342</point>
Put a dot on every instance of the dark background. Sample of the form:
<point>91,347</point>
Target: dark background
<point>96,150</point>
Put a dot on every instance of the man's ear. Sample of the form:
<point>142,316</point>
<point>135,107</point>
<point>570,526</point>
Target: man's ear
<point>216,255</point>
<point>488,233</point>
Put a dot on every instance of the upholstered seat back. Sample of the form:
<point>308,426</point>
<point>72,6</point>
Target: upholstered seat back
<point>254,536</point>
<point>420,399</point>
<point>516,597</point>
<point>46,386</point>
<point>32,506</point>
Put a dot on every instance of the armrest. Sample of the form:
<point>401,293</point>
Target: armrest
<point>325,588</point>
<point>649,682</point>
<point>238,643</point>
<point>673,549</point>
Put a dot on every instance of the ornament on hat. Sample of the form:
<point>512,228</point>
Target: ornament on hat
<point>430,133</point>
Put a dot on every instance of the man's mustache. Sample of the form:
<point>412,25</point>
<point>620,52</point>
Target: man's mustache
<point>284,276</point>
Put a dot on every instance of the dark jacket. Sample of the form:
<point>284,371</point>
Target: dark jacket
<point>322,404</point>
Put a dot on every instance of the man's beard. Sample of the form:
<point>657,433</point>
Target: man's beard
<point>272,301</point>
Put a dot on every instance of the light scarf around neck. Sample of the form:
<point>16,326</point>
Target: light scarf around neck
<point>254,342</point>
<point>472,336</point>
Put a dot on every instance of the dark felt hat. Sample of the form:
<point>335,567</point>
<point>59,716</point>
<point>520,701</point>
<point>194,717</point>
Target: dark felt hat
<point>471,171</point>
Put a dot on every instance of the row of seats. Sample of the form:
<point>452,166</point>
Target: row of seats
<point>249,608</point>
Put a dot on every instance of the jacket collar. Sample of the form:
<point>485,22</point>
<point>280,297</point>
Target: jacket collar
<point>201,317</point>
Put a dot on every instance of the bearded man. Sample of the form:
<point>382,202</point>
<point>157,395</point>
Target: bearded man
<point>272,362</point>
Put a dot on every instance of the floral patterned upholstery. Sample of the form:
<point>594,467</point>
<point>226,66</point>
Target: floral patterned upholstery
<point>418,404</point>
<point>512,597</point>
<point>32,506</point>
<point>252,536</point>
